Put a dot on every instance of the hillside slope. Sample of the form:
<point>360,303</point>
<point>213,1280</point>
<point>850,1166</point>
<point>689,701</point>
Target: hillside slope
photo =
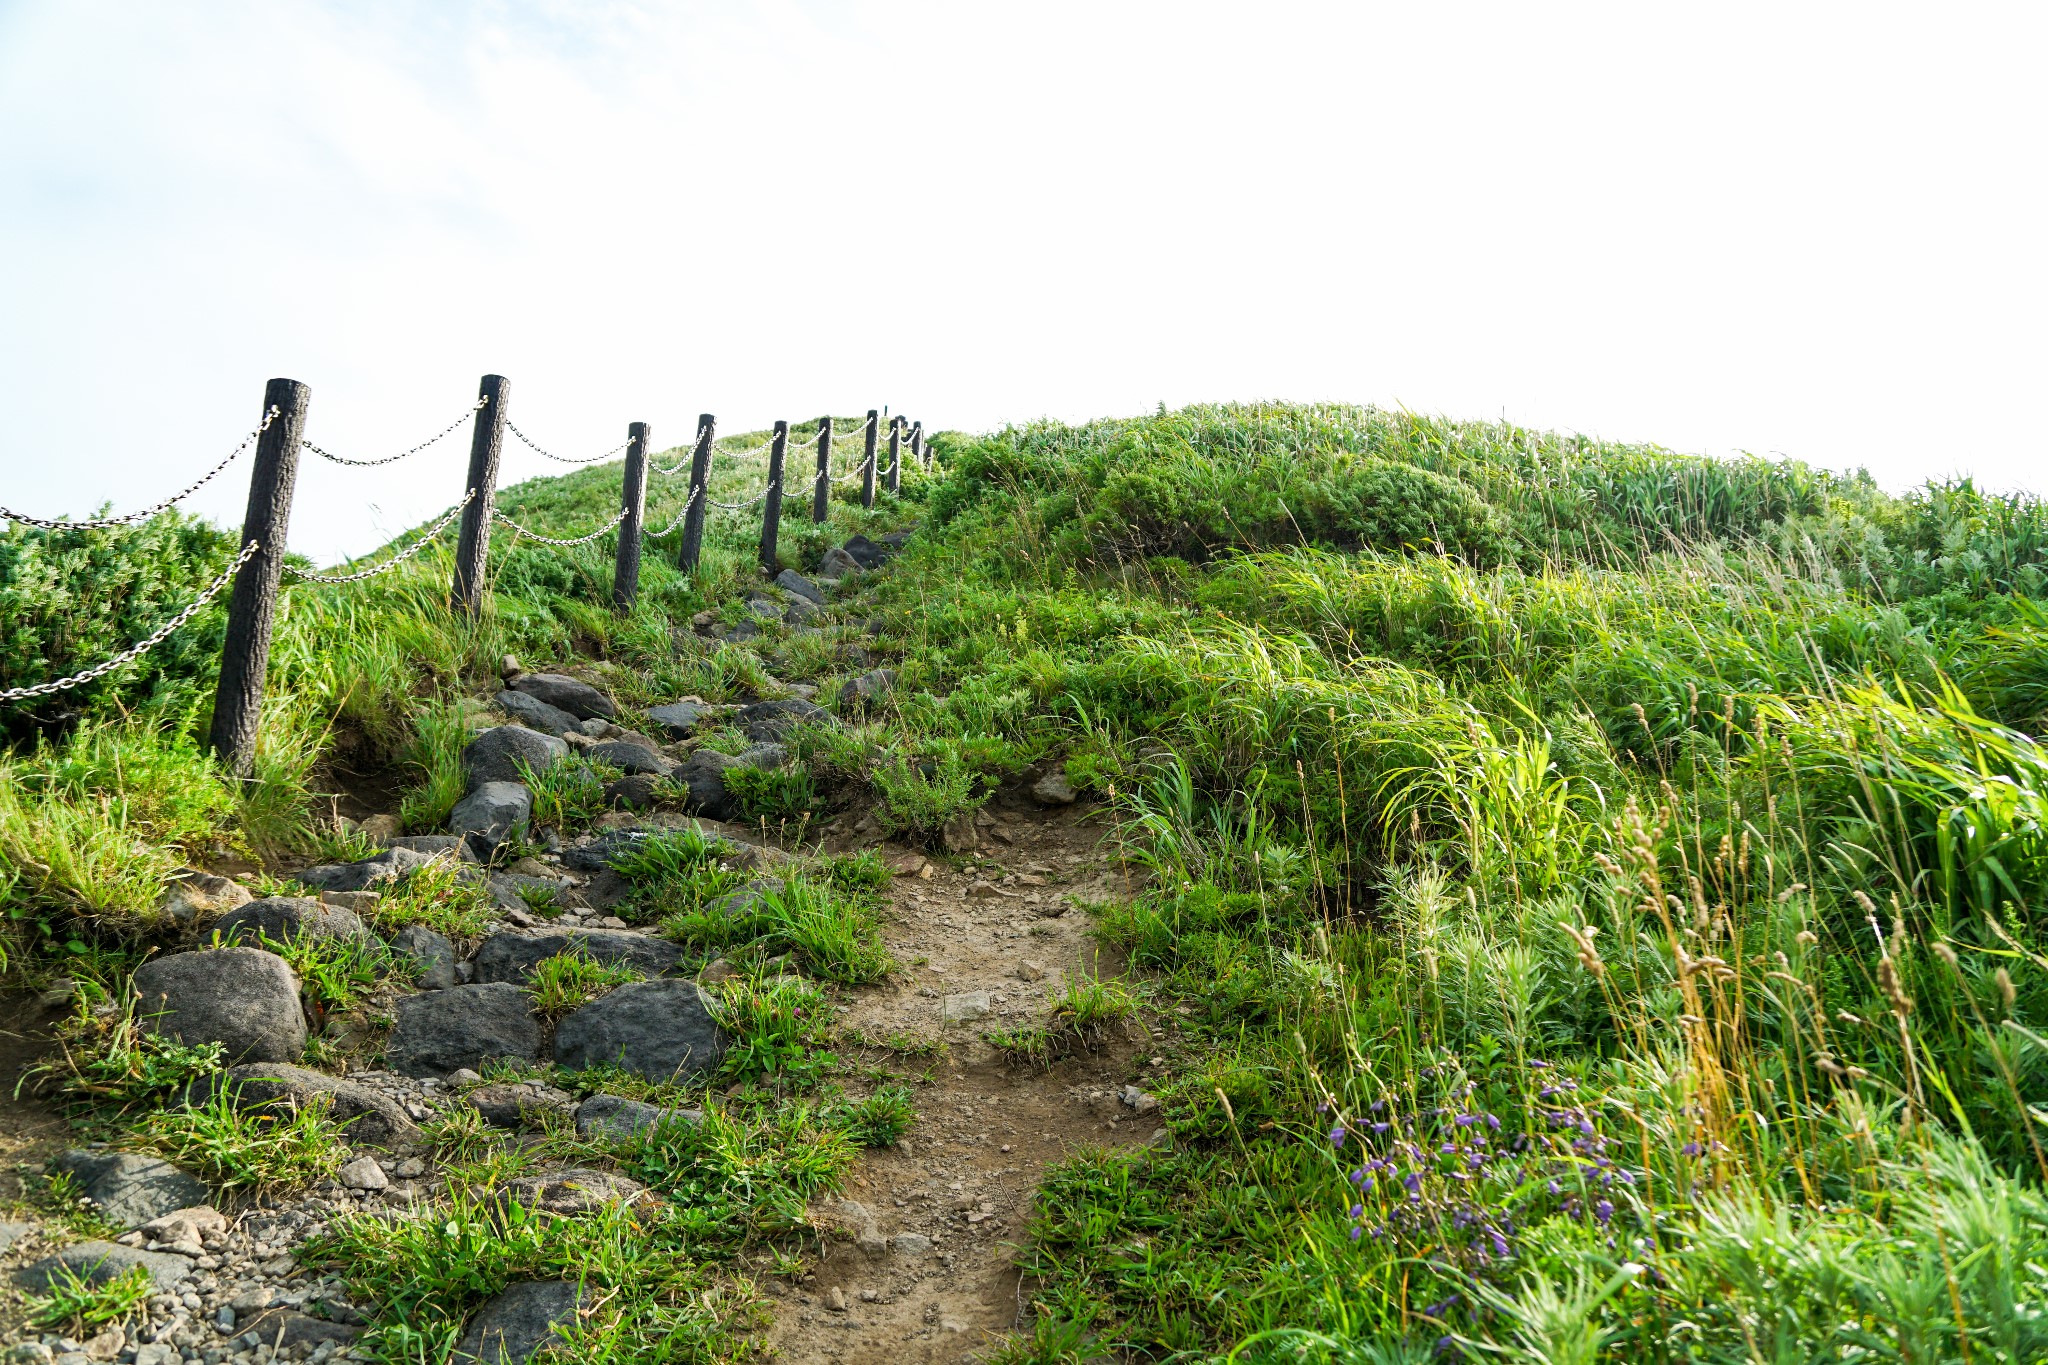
<point>1549,900</point>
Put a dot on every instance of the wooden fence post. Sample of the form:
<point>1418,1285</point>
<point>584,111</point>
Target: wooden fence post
<point>821,497</point>
<point>771,506</point>
<point>252,606</point>
<point>626,566</point>
<point>895,453</point>
<point>917,443</point>
<point>867,463</point>
<point>700,493</point>
<point>486,443</point>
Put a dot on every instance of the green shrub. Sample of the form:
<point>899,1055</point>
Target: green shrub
<point>920,797</point>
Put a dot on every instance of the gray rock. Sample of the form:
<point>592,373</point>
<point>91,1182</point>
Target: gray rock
<point>837,564</point>
<point>296,1329</point>
<point>98,1262</point>
<point>615,1116</point>
<point>431,952</point>
<point>192,893</point>
<point>363,1173</point>
<point>680,719</point>
<point>641,791</point>
<point>660,1030</point>
<point>867,553</point>
<point>912,1244</point>
<point>512,1327</point>
<point>493,813</point>
<point>628,757</point>
<point>734,904</point>
<point>515,1104</point>
<point>12,1233</point>
<point>496,754</point>
<point>739,634</point>
<point>403,857</point>
<point>509,890</point>
<point>770,721</point>
<point>534,713</point>
<point>864,694</point>
<point>764,755</point>
<point>442,1031</point>
<point>245,999</point>
<point>566,1194</point>
<point>579,699</point>
<point>799,610</point>
<point>512,957</point>
<point>1054,790</point>
<point>130,1189</point>
<point>790,581</point>
<point>282,919</point>
<point>431,846</point>
<point>703,780</point>
<point>368,1116</point>
<point>965,1005</point>
<point>765,608</point>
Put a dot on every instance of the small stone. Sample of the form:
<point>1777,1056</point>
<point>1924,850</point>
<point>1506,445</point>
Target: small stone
<point>794,583</point>
<point>494,812</point>
<point>678,719</point>
<point>506,753</point>
<point>863,695</point>
<point>1054,790</point>
<point>980,890</point>
<point>1028,970</point>
<point>185,1225</point>
<point>579,699</point>
<point>959,834</point>
<point>964,1006</point>
<point>717,971</point>
<point>838,564</point>
<point>363,1174</point>
<point>383,828</point>
<point>193,893</point>
<point>462,1075</point>
<point>106,1345</point>
<point>835,1299</point>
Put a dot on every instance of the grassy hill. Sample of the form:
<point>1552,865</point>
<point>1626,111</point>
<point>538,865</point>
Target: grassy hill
<point>1604,881</point>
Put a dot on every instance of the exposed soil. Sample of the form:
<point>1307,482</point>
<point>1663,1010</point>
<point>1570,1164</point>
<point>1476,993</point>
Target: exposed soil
<point>30,1133</point>
<point>987,1128</point>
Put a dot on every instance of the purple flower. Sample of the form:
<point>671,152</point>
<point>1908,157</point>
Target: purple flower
<point>1413,1182</point>
<point>1337,1136</point>
<point>1500,1244</point>
<point>1603,1211</point>
<point>1355,1233</point>
<point>1357,1210</point>
<point>1691,1149</point>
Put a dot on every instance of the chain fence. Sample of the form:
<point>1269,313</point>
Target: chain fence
<point>527,441</point>
<point>145,514</point>
<point>427,537</point>
<point>437,437</point>
<point>136,651</point>
<point>688,503</point>
<point>517,529</point>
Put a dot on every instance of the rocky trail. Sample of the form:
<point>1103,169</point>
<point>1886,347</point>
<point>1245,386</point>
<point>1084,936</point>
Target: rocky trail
<point>910,1260</point>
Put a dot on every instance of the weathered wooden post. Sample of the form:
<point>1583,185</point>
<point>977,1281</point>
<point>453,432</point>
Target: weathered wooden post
<point>771,508</point>
<point>867,463</point>
<point>700,493</point>
<point>626,566</point>
<point>252,606</point>
<point>895,453</point>
<point>821,496</point>
<point>917,442</point>
<point>486,443</point>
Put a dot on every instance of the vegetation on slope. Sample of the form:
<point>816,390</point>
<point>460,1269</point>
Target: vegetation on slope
<point>1604,883</point>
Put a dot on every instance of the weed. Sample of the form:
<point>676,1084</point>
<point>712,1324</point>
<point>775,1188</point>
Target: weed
<point>78,1303</point>
<point>569,796</point>
<point>108,1056</point>
<point>569,981</point>
<point>257,1149</point>
<point>920,797</point>
<point>776,1028</point>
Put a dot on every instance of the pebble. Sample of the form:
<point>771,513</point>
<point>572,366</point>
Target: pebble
<point>966,1005</point>
<point>835,1299</point>
<point>364,1174</point>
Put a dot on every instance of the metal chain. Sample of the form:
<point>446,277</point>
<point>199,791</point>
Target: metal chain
<point>136,651</point>
<point>550,540</point>
<point>688,503</point>
<point>427,538</point>
<point>474,408</point>
<point>683,463</point>
<point>749,452</point>
<point>741,506</point>
<point>131,518</point>
<point>563,459</point>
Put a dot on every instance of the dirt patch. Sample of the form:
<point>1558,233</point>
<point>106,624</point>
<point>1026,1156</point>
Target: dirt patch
<point>30,1131</point>
<point>920,1266</point>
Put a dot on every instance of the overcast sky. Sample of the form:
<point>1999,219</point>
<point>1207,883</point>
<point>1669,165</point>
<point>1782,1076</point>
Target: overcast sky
<point>1799,228</point>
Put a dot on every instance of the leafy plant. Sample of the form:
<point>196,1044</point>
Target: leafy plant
<point>259,1149</point>
<point>568,981</point>
<point>84,1305</point>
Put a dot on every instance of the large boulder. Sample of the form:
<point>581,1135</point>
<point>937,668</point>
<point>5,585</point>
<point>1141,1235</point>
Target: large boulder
<point>579,699</point>
<point>615,1116</point>
<point>281,919</point>
<point>867,553</point>
<point>440,1032</point>
<point>536,714</point>
<point>512,957</point>
<point>432,955</point>
<point>680,719</point>
<point>500,753</point>
<point>794,583</point>
<point>628,757</point>
<point>404,856</point>
<point>511,1328</point>
<point>660,1030</point>
<point>493,814</point>
<point>770,721</point>
<point>98,1262</point>
<point>366,1115</point>
<point>245,999</point>
<point>128,1189</point>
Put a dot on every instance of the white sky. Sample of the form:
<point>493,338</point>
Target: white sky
<point>1800,228</point>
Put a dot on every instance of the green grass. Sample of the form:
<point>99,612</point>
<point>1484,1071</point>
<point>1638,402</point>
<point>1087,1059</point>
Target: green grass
<point>74,1302</point>
<point>258,1150</point>
<point>569,981</point>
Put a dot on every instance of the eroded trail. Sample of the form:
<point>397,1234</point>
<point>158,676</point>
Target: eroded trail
<point>920,1265</point>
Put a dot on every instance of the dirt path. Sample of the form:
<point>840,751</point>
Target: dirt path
<point>921,1264</point>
